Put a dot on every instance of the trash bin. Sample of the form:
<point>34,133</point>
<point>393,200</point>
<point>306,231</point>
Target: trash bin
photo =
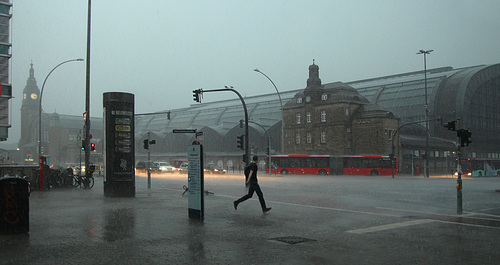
<point>14,205</point>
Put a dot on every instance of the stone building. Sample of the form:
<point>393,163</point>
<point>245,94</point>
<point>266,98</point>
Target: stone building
<point>335,120</point>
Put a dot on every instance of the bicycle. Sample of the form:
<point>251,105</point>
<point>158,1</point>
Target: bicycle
<point>57,177</point>
<point>86,181</point>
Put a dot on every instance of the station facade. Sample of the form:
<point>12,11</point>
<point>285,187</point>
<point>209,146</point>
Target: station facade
<point>359,117</point>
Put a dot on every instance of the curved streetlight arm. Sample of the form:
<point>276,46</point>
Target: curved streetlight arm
<point>281,104</point>
<point>40,118</point>
<point>43,85</point>
<point>230,88</point>
<point>394,136</point>
<point>279,96</point>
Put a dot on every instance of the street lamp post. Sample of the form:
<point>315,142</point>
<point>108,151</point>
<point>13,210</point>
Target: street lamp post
<point>281,104</point>
<point>268,144</point>
<point>40,119</point>
<point>426,160</point>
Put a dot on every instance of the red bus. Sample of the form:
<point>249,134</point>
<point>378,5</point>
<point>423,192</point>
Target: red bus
<point>480,167</point>
<point>332,165</point>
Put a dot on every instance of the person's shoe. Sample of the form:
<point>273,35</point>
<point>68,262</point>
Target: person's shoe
<point>235,204</point>
<point>266,209</point>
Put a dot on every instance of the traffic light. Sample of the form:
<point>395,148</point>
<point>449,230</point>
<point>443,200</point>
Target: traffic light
<point>241,123</point>
<point>146,144</point>
<point>196,94</point>
<point>451,125</point>
<point>245,158</point>
<point>465,137</point>
<point>83,145</point>
<point>240,141</point>
<point>92,146</point>
<point>468,136</point>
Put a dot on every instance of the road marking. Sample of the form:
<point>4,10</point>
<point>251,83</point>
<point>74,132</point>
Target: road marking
<point>322,208</point>
<point>338,209</point>
<point>390,226</point>
<point>466,224</point>
<point>468,214</point>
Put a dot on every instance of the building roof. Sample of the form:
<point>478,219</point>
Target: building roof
<point>401,94</point>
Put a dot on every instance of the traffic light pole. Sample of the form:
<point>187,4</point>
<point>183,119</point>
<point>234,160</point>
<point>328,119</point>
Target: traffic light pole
<point>393,161</point>
<point>149,162</point>
<point>87,97</point>
<point>463,139</point>
<point>196,97</point>
<point>459,182</point>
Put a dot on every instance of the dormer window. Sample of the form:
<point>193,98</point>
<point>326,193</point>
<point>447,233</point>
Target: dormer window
<point>299,100</point>
<point>324,96</point>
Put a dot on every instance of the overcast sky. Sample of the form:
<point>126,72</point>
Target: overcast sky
<point>161,50</point>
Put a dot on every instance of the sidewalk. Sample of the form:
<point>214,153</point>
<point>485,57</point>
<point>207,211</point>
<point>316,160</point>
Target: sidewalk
<point>329,220</point>
<point>77,226</point>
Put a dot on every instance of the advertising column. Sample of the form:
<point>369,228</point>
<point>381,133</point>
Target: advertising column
<point>119,144</point>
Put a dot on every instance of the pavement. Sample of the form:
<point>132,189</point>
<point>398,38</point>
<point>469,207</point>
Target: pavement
<point>314,220</point>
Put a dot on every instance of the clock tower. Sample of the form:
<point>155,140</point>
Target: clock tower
<point>29,115</point>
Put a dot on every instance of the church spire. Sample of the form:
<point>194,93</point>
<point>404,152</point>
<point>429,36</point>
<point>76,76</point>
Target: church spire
<point>313,81</point>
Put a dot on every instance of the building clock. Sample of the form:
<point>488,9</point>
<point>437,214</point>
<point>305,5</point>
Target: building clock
<point>308,99</point>
<point>34,96</point>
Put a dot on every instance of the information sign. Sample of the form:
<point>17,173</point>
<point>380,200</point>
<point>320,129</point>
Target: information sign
<point>195,182</point>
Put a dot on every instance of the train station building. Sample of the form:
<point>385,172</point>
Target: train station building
<point>339,118</point>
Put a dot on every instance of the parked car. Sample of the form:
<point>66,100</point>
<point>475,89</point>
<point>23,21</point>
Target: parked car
<point>165,167</point>
<point>141,167</point>
<point>183,168</point>
<point>176,164</point>
<point>212,168</point>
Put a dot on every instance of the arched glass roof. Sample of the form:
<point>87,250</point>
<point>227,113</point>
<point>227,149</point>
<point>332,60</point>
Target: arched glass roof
<point>402,94</point>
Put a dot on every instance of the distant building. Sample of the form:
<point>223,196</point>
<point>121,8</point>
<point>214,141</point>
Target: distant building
<point>359,117</point>
<point>61,134</point>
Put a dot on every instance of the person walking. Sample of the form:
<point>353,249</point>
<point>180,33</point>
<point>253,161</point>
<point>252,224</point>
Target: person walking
<point>251,181</point>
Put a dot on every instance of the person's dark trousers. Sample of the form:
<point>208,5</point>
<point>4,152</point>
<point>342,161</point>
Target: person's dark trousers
<point>253,187</point>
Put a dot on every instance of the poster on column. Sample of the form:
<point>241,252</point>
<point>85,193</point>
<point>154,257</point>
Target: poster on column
<point>195,182</point>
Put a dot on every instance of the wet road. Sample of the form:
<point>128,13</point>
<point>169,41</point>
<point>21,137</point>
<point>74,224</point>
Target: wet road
<point>314,220</point>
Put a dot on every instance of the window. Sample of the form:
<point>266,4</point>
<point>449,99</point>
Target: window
<point>436,153</point>
<point>299,100</point>
<point>347,112</point>
<point>298,117</point>
<point>323,137</point>
<point>323,116</point>
<point>308,117</point>
<point>309,138</point>
<point>4,8</point>
<point>297,138</point>
<point>324,97</point>
<point>416,153</point>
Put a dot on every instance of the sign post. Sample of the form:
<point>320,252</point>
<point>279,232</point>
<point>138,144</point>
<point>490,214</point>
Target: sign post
<point>196,205</point>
